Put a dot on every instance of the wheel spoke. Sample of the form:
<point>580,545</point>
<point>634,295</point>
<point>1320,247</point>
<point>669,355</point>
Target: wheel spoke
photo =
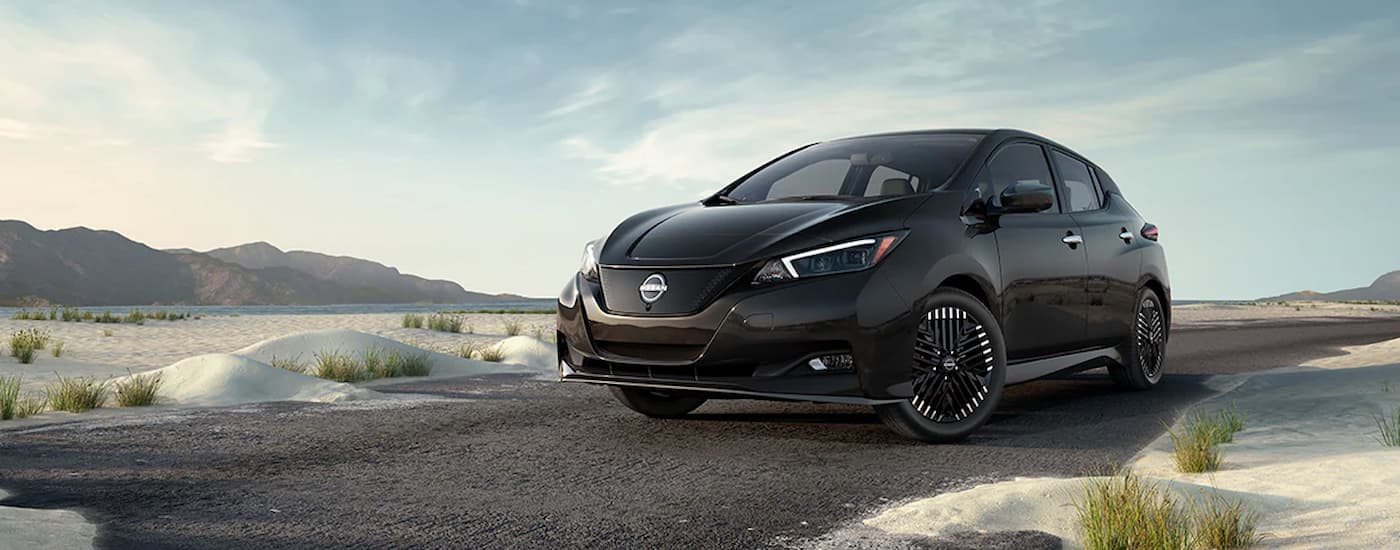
<point>952,358</point>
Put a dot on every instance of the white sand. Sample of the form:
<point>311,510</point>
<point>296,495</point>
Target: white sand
<point>1230,314</point>
<point>161,344</point>
<point>1306,462</point>
<point>26,529</point>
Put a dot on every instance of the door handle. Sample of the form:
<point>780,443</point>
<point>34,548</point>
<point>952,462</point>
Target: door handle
<point>1126,235</point>
<point>1073,241</point>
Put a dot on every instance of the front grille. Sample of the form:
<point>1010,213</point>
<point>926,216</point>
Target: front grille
<point>652,352</point>
<point>687,290</point>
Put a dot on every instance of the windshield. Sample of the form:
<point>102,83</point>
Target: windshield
<point>862,167</point>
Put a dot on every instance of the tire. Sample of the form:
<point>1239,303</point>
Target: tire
<point>1147,346</point>
<point>954,393</point>
<point>656,403</point>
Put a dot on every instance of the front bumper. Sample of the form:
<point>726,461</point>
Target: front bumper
<point>751,342</point>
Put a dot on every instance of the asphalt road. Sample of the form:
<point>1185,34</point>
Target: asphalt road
<point>528,463</point>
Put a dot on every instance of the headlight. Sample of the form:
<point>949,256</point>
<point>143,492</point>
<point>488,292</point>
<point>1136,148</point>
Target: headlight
<point>589,269</point>
<point>841,258</point>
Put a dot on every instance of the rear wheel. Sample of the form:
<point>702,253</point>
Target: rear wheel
<point>957,369</point>
<point>1147,348</point>
<point>657,403</point>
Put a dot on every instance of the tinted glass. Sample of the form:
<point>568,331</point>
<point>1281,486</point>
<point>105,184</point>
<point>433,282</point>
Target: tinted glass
<point>1019,163</point>
<point>819,178</point>
<point>1106,183</point>
<point>1079,194</point>
<point>886,181</point>
<point>859,167</point>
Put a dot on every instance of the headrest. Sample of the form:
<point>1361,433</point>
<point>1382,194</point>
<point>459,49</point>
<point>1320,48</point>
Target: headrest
<point>896,186</point>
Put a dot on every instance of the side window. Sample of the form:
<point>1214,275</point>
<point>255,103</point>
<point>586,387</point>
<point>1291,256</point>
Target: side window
<point>1079,194</point>
<point>1019,163</point>
<point>886,181</point>
<point>819,178</point>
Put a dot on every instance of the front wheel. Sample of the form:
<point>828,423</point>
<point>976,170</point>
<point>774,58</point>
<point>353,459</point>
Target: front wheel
<point>656,403</point>
<point>957,370</point>
<point>1147,348</point>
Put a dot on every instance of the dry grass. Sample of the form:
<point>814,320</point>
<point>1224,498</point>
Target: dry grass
<point>1222,524</point>
<point>371,364</point>
<point>514,328</point>
<point>139,390</point>
<point>76,394</point>
<point>57,348</point>
<point>9,396</point>
<point>337,366</point>
<point>1125,511</point>
<point>493,354</point>
<point>412,320</point>
<point>1389,425</point>
<point>294,364</point>
<point>1195,450</point>
<point>443,322</point>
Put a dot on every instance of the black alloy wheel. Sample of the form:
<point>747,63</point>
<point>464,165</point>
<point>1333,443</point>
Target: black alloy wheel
<point>1147,350</point>
<point>958,369</point>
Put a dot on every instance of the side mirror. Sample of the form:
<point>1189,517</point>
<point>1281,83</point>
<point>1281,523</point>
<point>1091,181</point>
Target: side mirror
<point>1024,197</point>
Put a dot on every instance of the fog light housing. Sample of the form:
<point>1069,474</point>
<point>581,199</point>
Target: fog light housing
<point>833,362</point>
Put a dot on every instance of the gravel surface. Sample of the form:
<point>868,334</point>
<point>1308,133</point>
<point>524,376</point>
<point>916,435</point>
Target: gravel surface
<point>527,463</point>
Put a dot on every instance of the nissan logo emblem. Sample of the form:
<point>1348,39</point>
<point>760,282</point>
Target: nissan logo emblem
<point>652,288</point>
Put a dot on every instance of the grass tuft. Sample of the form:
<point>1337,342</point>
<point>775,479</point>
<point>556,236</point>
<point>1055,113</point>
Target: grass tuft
<point>25,342</point>
<point>414,364</point>
<point>9,396</point>
<point>493,354</point>
<point>372,363</point>
<point>57,348</point>
<point>76,394</point>
<point>30,405</point>
<point>412,320</point>
<point>1222,524</point>
<point>1126,511</point>
<point>443,322</point>
<point>467,350</point>
<point>1194,450</point>
<point>337,366</point>
<point>294,364</point>
<point>514,328</point>
<point>1389,425</point>
<point>138,390</point>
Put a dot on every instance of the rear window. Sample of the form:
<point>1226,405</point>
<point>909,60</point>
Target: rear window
<point>863,167</point>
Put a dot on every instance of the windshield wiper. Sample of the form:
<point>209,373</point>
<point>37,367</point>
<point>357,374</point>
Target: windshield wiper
<point>718,199</point>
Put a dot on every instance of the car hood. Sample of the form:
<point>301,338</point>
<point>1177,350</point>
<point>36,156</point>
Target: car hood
<point>699,234</point>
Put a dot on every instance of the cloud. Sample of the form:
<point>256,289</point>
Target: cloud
<point>121,78</point>
<point>717,123</point>
<point>15,129</point>
<point>598,90</point>
<point>237,142</point>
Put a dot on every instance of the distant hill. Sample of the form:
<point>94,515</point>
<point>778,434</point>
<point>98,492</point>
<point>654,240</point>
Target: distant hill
<point>385,283</point>
<point>1385,288</point>
<point>81,266</point>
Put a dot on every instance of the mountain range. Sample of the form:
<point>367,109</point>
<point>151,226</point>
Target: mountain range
<point>81,266</point>
<point>1385,288</point>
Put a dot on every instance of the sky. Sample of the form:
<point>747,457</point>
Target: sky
<point>486,141</point>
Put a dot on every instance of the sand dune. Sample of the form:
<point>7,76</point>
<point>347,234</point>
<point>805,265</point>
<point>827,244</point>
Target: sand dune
<point>1306,461</point>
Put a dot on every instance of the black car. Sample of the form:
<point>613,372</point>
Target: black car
<point>918,272</point>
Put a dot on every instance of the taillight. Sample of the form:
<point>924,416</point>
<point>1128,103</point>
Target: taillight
<point>1149,232</point>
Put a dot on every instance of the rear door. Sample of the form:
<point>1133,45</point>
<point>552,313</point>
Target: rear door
<point>1110,237</point>
<point>1043,276</point>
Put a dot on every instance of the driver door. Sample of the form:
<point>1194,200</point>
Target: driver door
<point>1044,267</point>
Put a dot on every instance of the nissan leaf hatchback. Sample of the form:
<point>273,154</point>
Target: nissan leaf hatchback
<point>919,273</point>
